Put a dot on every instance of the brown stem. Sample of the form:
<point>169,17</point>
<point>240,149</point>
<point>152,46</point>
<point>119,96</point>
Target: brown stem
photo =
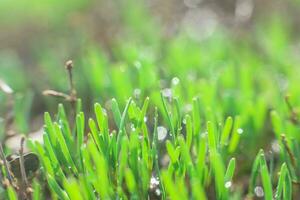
<point>56,94</point>
<point>289,151</point>
<point>293,114</point>
<point>22,167</point>
<point>6,165</point>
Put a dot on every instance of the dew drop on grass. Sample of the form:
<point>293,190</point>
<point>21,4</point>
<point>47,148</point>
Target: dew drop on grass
<point>145,119</point>
<point>188,108</point>
<point>259,192</point>
<point>161,132</point>
<point>240,131</point>
<point>275,146</point>
<point>137,93</point>
<point>154,182</point>
<point>158,192</point>
<point>137,64</point>
<point>204,134</point>
<point>167,92</point>
<point>175,81</point>
<point>228,184</point>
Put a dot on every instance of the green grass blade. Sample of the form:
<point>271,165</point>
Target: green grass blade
<point>226,130</point>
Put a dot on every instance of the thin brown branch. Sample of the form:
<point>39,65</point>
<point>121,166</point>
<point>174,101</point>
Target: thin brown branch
<point>3,158</point>
<point>293,113</point>
<point>56,94</point>
<point>289,151</point>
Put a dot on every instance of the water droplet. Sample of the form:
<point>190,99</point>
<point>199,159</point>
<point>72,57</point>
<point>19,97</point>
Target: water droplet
<point>137,93</point>
<point>158,192</point>
<point>167,92</point>
<point>137,64</point>
<point>145,119</point>
<point>259,192</point>
<point>161,132</point>
<point>275,146</point>
<point>240,131</point>
<point>188,108</point>
<point>228,184</point>
<point>243,9</point>
<point>154,182</point>
<point>175,81</point>
<point>204,134</point>
<point>200,23</point>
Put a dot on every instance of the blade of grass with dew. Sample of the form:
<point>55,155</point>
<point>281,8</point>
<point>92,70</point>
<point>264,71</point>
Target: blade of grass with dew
<point>121,126</point>
<point>219,172</point>
<point>230,170</point>
<point>101,117</point>
<point>189,131</point>
<point>143,111</point>
<point>211,137</point>
<point>226,131</point>
<point>63,121</point>
<point>155,154</point>
<point>46,163</point>
<point>64,149</point>
<point>172,152</point>
<point>169,118</point>
<point>80,137</point>
<point>54,186</point>
<point>96,135</point>
<point>266,180</point>
<point>254,173</point>
<point>50,129</point>
<point>281,181</point>
<point>236,134</point>
<point>54,161</point>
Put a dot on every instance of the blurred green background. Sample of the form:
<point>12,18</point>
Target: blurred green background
<point>125,48</point>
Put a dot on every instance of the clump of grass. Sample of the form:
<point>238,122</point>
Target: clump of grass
<point>127,162</point>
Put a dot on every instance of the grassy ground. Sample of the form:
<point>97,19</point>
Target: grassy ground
<point>178,117</point>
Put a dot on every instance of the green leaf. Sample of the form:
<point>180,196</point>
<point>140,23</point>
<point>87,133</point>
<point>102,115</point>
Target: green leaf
<point>230,170</point>
<point>226,130</point>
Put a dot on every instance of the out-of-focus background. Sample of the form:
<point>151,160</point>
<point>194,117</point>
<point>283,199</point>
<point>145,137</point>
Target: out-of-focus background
<point>37,37</point>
